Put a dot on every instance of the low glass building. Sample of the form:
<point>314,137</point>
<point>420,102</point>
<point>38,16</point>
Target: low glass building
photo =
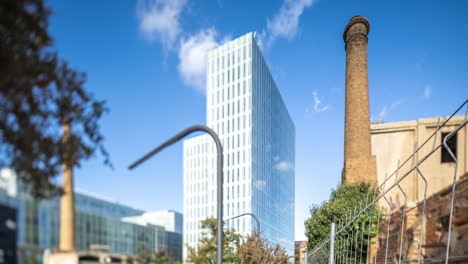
<point>100,223</point>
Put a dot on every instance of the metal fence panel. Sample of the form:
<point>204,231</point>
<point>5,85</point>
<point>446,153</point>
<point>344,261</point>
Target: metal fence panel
<point>416,231</point>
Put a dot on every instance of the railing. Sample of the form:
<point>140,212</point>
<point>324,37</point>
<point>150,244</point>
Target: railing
<point>395,225</point>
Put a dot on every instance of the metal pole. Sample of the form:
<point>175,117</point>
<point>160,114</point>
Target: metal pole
<point>447,253</point>
<point>219,149</point>
<point>331,260</point>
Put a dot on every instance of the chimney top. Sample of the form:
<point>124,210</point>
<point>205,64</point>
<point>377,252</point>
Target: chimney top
<point>354,20</point>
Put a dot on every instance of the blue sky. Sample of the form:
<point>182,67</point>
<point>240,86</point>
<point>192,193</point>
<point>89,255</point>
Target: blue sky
<point>145,58</point>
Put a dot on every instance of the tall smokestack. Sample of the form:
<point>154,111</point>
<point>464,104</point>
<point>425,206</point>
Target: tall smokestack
<point>67,203</point>
<point>66,252</point>
<point>359,164</point>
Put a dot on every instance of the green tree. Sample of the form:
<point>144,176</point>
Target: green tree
<point>143,257</point>
<point>161,257</point>
<point>342,201</point>
<point>38,93</point>
<point>206,252</point>
<point>257,250</point>
<point>32,259</point>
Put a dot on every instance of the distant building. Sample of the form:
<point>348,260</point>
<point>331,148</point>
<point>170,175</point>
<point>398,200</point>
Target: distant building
<point>393,143</point>
<point>7,235</point>
<point>100,222</point>
<point>245,108</point>
<point>425,202</point>
<point>300,250</point>
<point>171,222</point>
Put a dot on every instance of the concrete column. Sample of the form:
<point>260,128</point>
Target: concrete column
<point>67,203</point>
<point>359,164</point>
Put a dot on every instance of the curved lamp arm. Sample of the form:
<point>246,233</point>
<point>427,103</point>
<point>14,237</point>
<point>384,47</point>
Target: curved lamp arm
<point>219,149</point>
<point>253,216</point>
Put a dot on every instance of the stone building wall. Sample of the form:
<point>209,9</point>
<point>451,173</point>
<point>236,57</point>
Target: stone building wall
<point>434,229</point>
<point>393,144</point>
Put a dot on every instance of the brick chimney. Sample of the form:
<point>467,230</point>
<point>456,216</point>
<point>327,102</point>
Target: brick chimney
<point>359,164</point>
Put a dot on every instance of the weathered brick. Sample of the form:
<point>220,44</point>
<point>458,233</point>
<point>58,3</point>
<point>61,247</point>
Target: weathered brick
<point>359,164</point>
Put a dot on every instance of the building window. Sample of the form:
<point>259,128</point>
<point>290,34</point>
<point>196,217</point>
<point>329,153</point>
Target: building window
<point>452,144</point>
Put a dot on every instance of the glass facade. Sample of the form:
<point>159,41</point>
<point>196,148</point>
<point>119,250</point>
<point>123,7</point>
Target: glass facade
<point>273,157</point>
<point>246,110</point>
<point>174,245</point>
<point>171,222</point>
<point>99,221</point>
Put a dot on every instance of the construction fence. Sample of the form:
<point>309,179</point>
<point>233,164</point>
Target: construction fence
<point>393,225</point>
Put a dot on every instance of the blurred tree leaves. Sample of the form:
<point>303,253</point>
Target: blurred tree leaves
<point>158,257</point>
<point>38,93</point>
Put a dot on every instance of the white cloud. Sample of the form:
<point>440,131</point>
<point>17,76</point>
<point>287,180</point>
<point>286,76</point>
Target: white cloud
<point>159,19</point>
<point>193,57</point>
<point>384,112</point>
<point>382,115</point>
<point>284,166</point>
<point>427,92</point>
<point>285,24</point>
<point>317,102</point>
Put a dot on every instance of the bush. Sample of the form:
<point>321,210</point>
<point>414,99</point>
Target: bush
<point>343,200</point>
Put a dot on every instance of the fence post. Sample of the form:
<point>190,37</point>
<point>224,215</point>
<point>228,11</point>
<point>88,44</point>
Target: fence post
<point>332,244</point>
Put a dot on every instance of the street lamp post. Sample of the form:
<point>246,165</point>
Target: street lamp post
<point>219,149</point>
<point>253,216</point>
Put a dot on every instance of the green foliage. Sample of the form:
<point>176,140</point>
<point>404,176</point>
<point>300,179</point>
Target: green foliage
<point>159,257</point>
<point>344,203</point>
<point>143,257</point>
<point>253,250</point>
<point>257,250</point>
<point>38,93</point>
<point>32,259</point>
<point>206,252</point>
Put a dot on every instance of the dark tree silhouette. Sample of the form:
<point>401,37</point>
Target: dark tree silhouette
<point>38,94</point>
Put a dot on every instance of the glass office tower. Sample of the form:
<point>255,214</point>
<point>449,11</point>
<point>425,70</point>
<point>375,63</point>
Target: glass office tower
<point>246,110</point>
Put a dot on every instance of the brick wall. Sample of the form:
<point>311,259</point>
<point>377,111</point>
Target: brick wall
<point>435,229</point>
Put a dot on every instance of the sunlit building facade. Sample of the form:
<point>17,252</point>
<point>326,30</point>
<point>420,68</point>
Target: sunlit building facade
<point>246,110</point>
<point>169,219</point>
